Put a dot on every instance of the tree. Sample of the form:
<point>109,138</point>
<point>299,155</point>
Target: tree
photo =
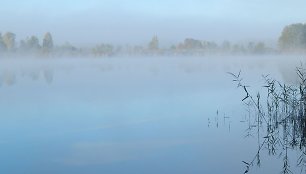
<point>2,45</point>
<point>238,49</point>
<point>154,44</point>
<point>33,43</point>
<point>30,44</point>
<point>251,47</point>
<point>103,50</point>
<point>260,48</point>
<point>9,41</point>
<point>192,44</point>
<point>47,42</point>
<point>226,46</point>
<point>209,45</point>
<point>293,37</point>
<point>67,49</point>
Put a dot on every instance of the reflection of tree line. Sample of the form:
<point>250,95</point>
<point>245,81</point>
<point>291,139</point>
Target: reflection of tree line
<point>282,114</point>
<point>9,78</point>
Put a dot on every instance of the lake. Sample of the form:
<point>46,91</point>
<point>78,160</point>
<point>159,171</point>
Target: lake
<point>136,115</point>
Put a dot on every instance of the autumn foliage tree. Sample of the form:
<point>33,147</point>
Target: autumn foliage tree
<point>9,41</point>
<point>293,37</point>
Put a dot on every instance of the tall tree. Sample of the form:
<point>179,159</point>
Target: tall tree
<point>191,44</point>
<point>293,37</point>
<point>9,41</point>
<point>33,43</point>
<point>47,42</point>
<point>2,45</point>
<point>154,43</point>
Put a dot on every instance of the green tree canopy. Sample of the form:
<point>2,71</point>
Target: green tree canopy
<point>293,37</point>
<point>192,44</point>
<point>9,41</point>
<point>30,44</point>
<point>47,42</point>
<point>33,42</point>
<point>154,43</point>
<point>103,50</point>
<point>226,46</point>
<point>2,45</point>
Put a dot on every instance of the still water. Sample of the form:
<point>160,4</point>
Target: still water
<point>133,115</point>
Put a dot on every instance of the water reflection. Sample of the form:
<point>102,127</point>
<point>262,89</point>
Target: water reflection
<point>277,121</point>
<point>96,116</point>
<point>48,75</point>
<point>9,77</point>
<point>215,121</point>
<point>101,153</point>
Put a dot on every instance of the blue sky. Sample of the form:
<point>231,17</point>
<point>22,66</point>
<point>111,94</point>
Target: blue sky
<point>123,21</point>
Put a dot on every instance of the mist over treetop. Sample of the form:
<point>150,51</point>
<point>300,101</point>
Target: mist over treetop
<point>291,40</point>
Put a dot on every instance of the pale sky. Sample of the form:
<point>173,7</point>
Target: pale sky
<point>84,22</point>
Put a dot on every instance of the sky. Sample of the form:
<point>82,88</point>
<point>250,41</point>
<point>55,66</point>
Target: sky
<point>89,22</point>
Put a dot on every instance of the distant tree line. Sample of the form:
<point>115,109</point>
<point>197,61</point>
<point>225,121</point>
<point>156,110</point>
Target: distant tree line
<point>196,47</point>
<point>193,46</point>
<point>292,39</point>
<point>29,45</point>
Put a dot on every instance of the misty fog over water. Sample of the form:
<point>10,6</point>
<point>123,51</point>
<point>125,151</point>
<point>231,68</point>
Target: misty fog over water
<point>131,115</point>
<point>147,87</point>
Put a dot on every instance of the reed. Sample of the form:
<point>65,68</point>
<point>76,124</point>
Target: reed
<point>282,116</point>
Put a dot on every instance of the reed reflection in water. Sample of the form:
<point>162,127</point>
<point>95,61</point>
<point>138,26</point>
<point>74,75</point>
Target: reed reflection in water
<point>277,121</point>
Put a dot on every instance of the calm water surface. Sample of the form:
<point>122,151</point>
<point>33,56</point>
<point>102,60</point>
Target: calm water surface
<point>131,115</point>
